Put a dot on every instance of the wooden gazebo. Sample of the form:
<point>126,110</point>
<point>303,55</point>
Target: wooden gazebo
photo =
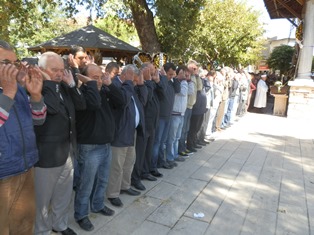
<point>93,39</point>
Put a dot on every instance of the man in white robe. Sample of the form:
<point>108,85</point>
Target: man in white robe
<point>261,93</point>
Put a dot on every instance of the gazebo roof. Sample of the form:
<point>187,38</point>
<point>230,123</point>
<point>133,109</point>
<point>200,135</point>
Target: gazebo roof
<point>92,39</point>
<point>284,8</point>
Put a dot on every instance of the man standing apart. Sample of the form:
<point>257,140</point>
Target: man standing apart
<point>260,101</point>
<point>18,152</point>
<point>56,141</point>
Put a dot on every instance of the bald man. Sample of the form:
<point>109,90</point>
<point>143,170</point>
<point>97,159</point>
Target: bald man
<point>95,131</point>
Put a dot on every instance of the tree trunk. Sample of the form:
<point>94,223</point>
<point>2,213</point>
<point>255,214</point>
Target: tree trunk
<point>144,24</point>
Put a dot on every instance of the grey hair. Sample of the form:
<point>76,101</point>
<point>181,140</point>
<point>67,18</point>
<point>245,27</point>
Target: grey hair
<point>42,62</point>
<point>131,67</point>
<point>193,62</point>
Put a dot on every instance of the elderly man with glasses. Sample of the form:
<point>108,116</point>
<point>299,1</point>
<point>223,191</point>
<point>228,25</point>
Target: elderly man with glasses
<point>18,152</point>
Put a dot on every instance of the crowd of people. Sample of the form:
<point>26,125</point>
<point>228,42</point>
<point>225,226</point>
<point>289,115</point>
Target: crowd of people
<point>101,131</point>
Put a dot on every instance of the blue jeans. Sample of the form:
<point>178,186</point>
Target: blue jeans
<point>227,116</point>
<point>174,135</point>
<point>93,166</point>
<point>159,144</point>
<point>185,130</point>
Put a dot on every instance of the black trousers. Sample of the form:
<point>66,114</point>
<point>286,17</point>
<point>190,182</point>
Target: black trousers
<point>195,125</point>
<point>144,152</point>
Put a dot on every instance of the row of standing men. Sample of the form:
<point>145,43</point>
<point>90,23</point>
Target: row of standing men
<point>95,131</point>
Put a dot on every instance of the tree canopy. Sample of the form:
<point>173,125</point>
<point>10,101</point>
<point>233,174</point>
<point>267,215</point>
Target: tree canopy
<point>220,31</point>
<point>281,58</point>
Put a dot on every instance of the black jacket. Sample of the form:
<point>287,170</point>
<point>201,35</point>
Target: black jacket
<point>96,124</point>
<point>125,115</point>
<point>166,101</point>
<point>152,108</point>
<point>58,132</point>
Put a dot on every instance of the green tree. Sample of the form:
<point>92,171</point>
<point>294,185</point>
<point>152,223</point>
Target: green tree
<point>39,31</point>
<point>120,27</point>
<point>281,58</point>
<point>20,13</point>
<point>229,32</point>
<point>176,24</point>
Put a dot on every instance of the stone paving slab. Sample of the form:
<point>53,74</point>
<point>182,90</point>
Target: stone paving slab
<point>152,228</point>
<point>188,226</point>
<point>172,209</point>
<point>256,178</point>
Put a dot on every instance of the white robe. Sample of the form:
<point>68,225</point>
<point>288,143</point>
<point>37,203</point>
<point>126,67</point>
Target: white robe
<point>261,94</point>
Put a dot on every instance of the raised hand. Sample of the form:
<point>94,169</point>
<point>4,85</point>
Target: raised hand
<point>140,79</point>
<point>68,78</point>
<point>82,78</point>
<point>8,81</point>
<point>34,83</point>
<point>146,73</point>
<point>22,74</point>
<point>181,75</point>
<point>106,79</point>
<point>156,77</point>
<point>45,75</point>
<point>162,71</point>
<point>72,61</point>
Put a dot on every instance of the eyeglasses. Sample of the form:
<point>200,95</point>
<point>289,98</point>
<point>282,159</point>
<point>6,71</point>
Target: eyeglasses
<point>17,63</point>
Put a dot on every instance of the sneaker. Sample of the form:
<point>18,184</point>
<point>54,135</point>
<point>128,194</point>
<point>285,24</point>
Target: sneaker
<point>85,224</point>
<point>183,154</point>
<point>188,152</point>
<point>191,150</point>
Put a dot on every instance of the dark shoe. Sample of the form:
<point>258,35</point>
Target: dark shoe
<point>85,224</point>
<point>197,146</point>
<point>193,150</point>
<point>138,185</point>
<point>201,143</point>
<point>172,163</point>
<point>131,192</point>
<point>183,154</point>
<point>149,178</point>
<point>156,173</point>
<point>115,202</point>
<point>180,159</point>
<point>106,211</point>
<point>69,231</point>
<point>167,166</point>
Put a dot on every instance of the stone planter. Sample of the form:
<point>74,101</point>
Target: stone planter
<point>281,98</point>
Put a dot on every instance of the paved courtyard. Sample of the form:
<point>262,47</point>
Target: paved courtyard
<point>257,178</point>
